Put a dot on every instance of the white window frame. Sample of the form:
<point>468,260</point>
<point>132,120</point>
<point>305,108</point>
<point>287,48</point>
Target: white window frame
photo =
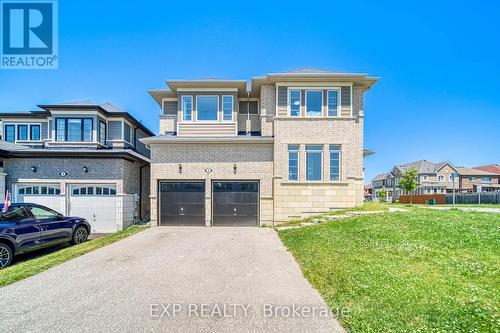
<point>218,111</point>
<point>289,102</point>
<point>288,162</point>
<point>440,181</point>
<point>321,164</point>
<point>339,92</point>
<point>330,151</point>
<point>425,178</point>
<point>232,107</point>
<point>182,107</point>
<point>305,102</point>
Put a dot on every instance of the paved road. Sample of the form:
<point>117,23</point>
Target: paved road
<point>133,286</point>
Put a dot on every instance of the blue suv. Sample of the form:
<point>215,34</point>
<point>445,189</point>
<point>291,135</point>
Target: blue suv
<point>26,227</point>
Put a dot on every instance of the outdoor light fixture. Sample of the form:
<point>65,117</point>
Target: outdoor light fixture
<point>235,167</point>
<point>33,168</point>
<point>85,169</point>
<point>180,167</point>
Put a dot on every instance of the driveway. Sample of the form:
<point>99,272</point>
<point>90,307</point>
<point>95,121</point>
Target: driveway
<point>216,280</point>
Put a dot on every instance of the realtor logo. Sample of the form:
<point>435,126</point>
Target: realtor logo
<point>28,34</point>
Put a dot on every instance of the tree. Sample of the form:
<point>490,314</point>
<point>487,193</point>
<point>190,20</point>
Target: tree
<point>408,182</point>
<point>382,194</point>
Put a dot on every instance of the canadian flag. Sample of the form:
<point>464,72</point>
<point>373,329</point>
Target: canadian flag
<point>6,203</point>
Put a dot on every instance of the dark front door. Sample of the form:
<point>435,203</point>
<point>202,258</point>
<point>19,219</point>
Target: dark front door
<point>182,203</point>
<point>235,204</point>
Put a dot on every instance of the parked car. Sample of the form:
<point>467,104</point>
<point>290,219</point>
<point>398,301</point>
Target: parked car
<point>26,227</point>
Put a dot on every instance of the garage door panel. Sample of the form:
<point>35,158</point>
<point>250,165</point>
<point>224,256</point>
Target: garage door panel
<point>182,203</point>
<point>235,203</point>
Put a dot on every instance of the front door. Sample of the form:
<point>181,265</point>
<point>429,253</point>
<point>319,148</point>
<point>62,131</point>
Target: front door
<point>182,203</point>
<point>235,203</point>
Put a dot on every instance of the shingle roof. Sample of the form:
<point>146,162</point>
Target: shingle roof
<point>494,168</point>
<point>423,166</point>
<point>381,176</point>
<point>473,172</point>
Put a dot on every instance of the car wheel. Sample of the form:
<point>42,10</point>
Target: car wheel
<point>80,235</point>
<point>5,255</point>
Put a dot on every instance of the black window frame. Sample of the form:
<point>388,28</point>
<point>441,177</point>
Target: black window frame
<point>19,132</point>
<point>39,132</point>
<point>13,134</point>
<point>82,126</point>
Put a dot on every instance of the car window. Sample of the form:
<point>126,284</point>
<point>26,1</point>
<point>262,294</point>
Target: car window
<point>13,214</point>
<point>41,213</point>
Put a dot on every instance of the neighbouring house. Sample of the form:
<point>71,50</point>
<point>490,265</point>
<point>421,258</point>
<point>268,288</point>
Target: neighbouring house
<point>385,182</point>
<point>478,180</point>
<point>368,192</point>
<point>80,159</point>
<point>493,168</point>
<point>284,146</point>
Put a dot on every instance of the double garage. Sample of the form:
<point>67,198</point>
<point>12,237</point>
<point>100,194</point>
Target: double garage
<point>234,203</point>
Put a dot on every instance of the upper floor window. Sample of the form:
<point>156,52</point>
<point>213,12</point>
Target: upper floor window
<point>440,178</point>
<point>207,107</point>
<point>314,157</point>
<point>425,178</point>
<point>334,162</point>
<point>22,132</point>
<point>473,179</point>
<point>127,132</point>
<point>35,132</point>
<point>314,103</point>
<point>102,132</point>
<point>227,107</point>
<point>486,179</point>
<point>10,133</point>
<point>187,108</point>
<point>333,103</point>
<point>74,129</point>
<point>450,178</point>
<point>293,162</point>
<point>295,101</point>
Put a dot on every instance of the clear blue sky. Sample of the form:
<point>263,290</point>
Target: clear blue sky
<point>439,62</point>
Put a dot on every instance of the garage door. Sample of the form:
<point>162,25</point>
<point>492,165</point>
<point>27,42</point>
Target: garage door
<point>182,203</point>
<point>96,204</point>
<point>235,203</point>
<point>46,195</point>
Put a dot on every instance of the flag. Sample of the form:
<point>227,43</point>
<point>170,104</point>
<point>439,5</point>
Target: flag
<point>6,203</point>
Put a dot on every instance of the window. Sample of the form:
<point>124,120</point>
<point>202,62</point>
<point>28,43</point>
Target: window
<point>14,214</point>
<point>293,162</point>
<point>74,129</point>
<point>314,158</point>
<point>425,177</point>
<point>127,135</point>
<point>314,103</point>
<point>295,101</point>
<point>207,107</point>
<point>333,97</point>
<point>102,132</point>
<point>38,190</point>
<point>10,133</point>
<point>227,108</point>
<point>187,108</point>
<point>248,107</point>
<point>440,178</point>
<point>450,177</point>
<point>473,179</point>
<point>43,213</point>
<point>486,179</point>
<point>35,132</point>
<point>93,190</point>
<point>22,132</point>
<point>335,163</point>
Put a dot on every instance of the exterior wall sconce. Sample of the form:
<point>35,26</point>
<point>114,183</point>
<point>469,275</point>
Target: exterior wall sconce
<point>180,167</point>
<point>33,168</point>
<point>235,167</point>
<point>85,169</point>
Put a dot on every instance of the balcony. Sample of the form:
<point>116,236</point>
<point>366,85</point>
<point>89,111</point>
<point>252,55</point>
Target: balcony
<point>207,129</point>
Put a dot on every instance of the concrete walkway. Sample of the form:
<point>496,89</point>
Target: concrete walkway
<point>217,280</point>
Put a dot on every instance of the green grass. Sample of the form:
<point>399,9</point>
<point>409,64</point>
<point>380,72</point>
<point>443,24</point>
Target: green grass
<point>34,266</point>
<point>416,271</point>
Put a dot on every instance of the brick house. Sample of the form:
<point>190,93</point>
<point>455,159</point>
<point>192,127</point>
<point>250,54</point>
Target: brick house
<point>80,159</point>
<point>478,180</point>
<point>284,146</point>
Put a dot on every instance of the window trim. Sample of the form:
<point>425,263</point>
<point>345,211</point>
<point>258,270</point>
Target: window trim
<point>305,103</point>
<point>81,128</point>
<point>19,132</point>
<point>440,181</point>
<point>204,120</point>
<point>232,107</point>
<point>5,132</point>
<point>289,113</point>
<point>339,99</point>
<point>339,151</point>
<point>321,160</point>
<point>297,151</point>
<point>39,132</point>
<point>182,107</point>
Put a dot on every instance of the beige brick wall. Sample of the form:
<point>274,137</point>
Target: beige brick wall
<point>267,109</point>
<point>254,162</point>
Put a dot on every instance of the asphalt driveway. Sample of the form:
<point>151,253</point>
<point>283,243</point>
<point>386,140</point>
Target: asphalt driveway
<point>172,279</point>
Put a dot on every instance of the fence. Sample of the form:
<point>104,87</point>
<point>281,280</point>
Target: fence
<point>422,198</point>
<point>474,198</point>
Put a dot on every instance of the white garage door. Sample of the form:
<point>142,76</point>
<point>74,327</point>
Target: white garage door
<point>46,195</point>
<point>95,203</point>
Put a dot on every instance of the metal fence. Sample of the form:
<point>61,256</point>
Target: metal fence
<point>474,198</point>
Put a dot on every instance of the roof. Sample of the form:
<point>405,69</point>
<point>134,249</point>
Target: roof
<point>424,166</point>
<point>381,176</point>
<point>473,172</point>
<point>494,168</point>
<point>240,85</point>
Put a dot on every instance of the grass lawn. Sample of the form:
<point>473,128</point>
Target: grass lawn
<point>34,266</point>
<point>416,271</point>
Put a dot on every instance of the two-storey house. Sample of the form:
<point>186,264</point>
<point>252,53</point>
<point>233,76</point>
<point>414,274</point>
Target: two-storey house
<point>81,159</point>
<point>383,182</point>
<point>478,180</point>
<point>284,146</point>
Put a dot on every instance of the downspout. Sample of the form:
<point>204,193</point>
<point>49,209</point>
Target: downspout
<point>249,130</point>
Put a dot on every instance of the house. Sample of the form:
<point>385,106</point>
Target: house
<point>283,146</point>
<point>478,180</point>
<point>493,168</point>
<point>81,159</point>
<point>385,182</point>
<point>368,192</point>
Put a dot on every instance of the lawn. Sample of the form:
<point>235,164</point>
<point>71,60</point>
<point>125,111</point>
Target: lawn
<point>34,266</point>
<point>415,271</point>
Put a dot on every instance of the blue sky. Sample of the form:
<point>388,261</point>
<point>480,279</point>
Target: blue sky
<point>439,63</point>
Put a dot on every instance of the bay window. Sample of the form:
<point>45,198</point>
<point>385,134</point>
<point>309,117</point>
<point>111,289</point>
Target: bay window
<point>314,103</point>
<point>207,107</point>
<point>102,132</point>
<point>74,129</point>
<point>293,162</point>
<point>314,157</point>
<point>334,162</point>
